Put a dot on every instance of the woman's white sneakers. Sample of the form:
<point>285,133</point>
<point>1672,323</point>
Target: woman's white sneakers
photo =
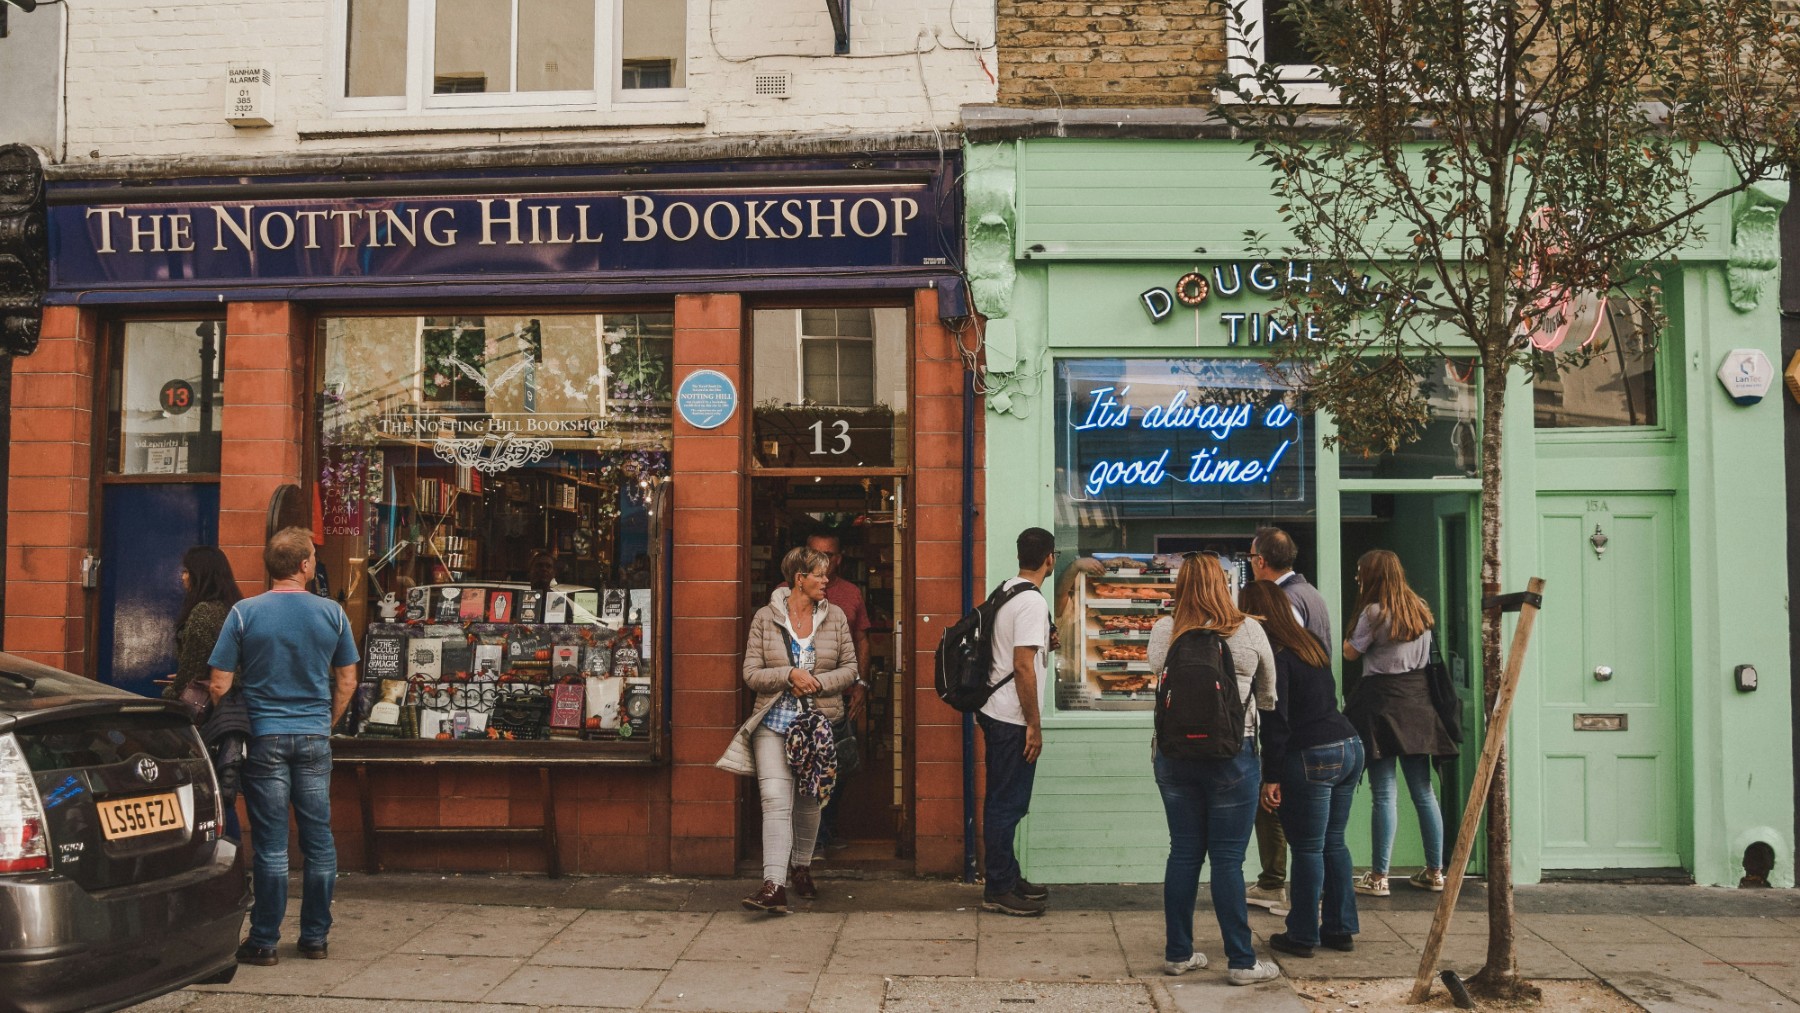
<point>1193,963</point>
<point>1370,885</point>
<point>1263,971</point>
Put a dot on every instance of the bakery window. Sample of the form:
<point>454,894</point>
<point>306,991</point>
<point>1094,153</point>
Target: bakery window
<point>492,495</point>
<point>1155,459</point>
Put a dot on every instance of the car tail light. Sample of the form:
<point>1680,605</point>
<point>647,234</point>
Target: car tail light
<point>24,841</point>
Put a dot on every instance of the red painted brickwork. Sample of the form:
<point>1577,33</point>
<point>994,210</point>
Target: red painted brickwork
<point>263,427</point>
<point>937,599</point>
<point>50,471</point>
<point>1062,53</point>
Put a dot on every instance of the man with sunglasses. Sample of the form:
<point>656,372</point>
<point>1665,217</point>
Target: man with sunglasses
<point>1272,554</point>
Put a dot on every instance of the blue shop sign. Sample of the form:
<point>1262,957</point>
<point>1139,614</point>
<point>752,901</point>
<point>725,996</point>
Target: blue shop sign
<point>706,399</point>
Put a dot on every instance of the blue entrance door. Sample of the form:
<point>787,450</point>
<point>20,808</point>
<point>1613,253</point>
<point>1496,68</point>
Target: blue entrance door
<point>146,530</point>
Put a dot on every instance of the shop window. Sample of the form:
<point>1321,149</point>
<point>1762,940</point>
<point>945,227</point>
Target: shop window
<point>1449,446</point>
<point>1156,458</point>
<point>167,398</point>
<point>1612,381</point>
<point>535,51</point>
<point>490,491</point>
<point>830,387</point>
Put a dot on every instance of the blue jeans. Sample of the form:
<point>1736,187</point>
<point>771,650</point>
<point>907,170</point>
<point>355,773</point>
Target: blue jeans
<point>1384,812</point>
<point>1317,785</point>
<point>1211,806</point>
<point>278,770</point>
<point>1009,780</point>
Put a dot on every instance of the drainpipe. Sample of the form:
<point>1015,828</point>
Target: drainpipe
<point>968,603</point>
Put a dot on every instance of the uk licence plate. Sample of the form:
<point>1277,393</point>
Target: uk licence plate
<point>140,814</point>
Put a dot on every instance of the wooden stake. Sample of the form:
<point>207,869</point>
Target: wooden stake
<point>1478,792</point>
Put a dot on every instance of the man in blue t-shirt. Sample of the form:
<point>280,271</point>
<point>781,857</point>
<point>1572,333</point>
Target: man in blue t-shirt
<point>292,653</point>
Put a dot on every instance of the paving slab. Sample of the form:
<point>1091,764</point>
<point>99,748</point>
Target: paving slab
<point>804,940</point>
<point>960,995</point>
<point>909,925</point>
<point>709,986</point>
<point>1743,926</point>
<point>1142,937</point>
<point>365,929</point>
<point>848,993</point>
<point>1661,993</point>
<point>1680,960</point>
<point>1046,955</point>
<point>485,931</point>
<point>295,975</point>
<point>608,893</point>
<point>229,1003</point>
<point>623,939</point>
<point>421,976</point>
<point>605,988</point>
<point>1054,920</point>
<point>1586,930</point>
<point>1208,991</point>
<point>903,956</point>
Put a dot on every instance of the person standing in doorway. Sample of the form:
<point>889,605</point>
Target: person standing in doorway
<point>849,598</point>
<point>1272,555</point>
<point>1012,727</point>
<point>295,658</point>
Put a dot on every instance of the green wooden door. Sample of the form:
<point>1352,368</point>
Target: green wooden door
<point>1605,649</point>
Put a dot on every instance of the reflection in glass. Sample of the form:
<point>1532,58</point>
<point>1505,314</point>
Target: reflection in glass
<point>472,52</point>
<point>167,398</point>
<point>830,387</point>
<point>1614,386</point>
<point>1448,447</point>
<point>653,50</point>
<point>374,46</point>
<point>556,45</point>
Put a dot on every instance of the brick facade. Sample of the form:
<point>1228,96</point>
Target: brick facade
<point>1158,53</point>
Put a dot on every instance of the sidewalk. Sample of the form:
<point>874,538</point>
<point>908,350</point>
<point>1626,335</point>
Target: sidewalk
<point>473,944</point>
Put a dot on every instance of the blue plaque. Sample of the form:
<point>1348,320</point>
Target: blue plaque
<point>706,399</point>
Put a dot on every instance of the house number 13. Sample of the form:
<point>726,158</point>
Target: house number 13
<point>840,437</point>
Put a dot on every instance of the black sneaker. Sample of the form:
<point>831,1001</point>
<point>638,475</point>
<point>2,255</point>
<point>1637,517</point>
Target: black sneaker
<point>1011,903</point>
<point>1031,891</point>
<point>314,951</point>
<point>1343,942</point>
<point>260,956</point>
<point>1280,941</point>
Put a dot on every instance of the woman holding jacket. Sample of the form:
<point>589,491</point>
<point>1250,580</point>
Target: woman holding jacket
<point>209,591</point>
<point>1312,759</point>
<point>799,655</point>
<point>1391,709</point>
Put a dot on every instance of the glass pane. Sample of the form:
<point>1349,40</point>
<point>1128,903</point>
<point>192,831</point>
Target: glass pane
<point>827,402</point>
<point>168,398</point>
<point>1448,447</point>
<point>497,477</point>
<point>1615,386</point>
<point>1281,39</point>
<point>653,49</point>
<point>473,47</point>
<point>375,57</point>
<point>556,45</point>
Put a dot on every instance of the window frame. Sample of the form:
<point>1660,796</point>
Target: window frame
<point>800,345</point>
<point>419,98</point>
<point>1243,54</point>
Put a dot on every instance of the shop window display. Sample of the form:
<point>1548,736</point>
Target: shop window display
<point>491,496</point>
<point>1157,458</point>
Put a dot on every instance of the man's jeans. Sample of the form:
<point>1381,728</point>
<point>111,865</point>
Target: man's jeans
<point>1317,786</point>
<point>1009,780</point>
<point>1210,805</point>
<point>282,769</point>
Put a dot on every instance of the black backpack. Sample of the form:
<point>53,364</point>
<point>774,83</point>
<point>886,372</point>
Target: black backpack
<point>965,655</point>
<point>1199,714</point>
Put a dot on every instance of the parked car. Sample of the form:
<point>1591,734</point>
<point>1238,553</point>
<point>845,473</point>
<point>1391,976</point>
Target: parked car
<point>115,884</point>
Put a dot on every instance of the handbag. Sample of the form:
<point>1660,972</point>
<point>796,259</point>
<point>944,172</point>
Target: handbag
<point>196,696</point>
<point>1443,695</point>
<point>849,747</point>
<point>811,748</point>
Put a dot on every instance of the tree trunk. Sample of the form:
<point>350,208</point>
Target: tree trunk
<point>1499,978</point>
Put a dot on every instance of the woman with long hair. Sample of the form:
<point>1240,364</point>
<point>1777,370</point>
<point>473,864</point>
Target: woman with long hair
<point>209,592</point>
<point>1312,759</point>
<point>1211,804</point>
<point>799,655</point>
<point>1391,709</point>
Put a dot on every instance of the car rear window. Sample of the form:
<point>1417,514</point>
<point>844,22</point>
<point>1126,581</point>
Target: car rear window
<point>99,740</point>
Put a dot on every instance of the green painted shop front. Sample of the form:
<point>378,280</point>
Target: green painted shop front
<point>1633,748</point>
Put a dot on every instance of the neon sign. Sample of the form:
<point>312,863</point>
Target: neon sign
<point>1200,287</point>
<point>1174,431</point>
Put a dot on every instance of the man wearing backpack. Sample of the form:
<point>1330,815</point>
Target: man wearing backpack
<point>1272,555</point>
<point>1011,727</point>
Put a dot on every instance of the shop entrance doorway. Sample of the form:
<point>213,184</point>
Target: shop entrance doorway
<point>1612,757</point>
<point>861,521</point>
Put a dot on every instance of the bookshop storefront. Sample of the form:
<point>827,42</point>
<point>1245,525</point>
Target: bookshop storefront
<point>1127,345</point>
<point>552,432</point>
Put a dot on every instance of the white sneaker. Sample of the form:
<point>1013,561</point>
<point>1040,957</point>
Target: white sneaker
<point>1263,971</point>
<point>1195,962</point>
<point>1275,901</point>
<point>1370,885</point>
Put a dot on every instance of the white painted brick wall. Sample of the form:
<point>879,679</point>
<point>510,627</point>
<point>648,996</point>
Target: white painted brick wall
<point>148,82</point>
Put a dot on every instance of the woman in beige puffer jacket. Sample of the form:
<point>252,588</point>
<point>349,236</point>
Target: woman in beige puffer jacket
<point>820,665</point>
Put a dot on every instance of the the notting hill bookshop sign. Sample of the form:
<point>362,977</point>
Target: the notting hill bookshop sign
<point>563,235</point>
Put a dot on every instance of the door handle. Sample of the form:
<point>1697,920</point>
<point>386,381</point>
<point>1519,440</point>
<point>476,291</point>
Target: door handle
<point>1602,673</point>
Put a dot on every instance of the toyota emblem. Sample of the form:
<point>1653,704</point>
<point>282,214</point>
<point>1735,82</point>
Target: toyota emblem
<point>147,769</point>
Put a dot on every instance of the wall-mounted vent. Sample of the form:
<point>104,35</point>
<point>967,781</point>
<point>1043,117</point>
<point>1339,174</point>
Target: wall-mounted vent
<point>776,84</point>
